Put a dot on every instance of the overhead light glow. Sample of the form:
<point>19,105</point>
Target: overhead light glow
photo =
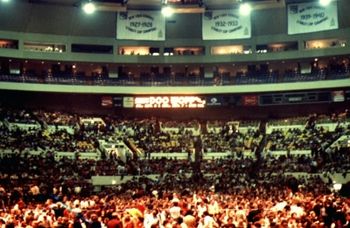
<point>245,9</point>
<point>5,0</point>
<point>325,2</point>
<point>89,8</point>
<point>167,11</point>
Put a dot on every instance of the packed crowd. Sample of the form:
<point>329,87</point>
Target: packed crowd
<point>232,141</point>
<point>298,139</point>
<point>41,191</point>
<point>57,118</point>
<point>227,200</point>
<point>38,139</point>
<point>171,136</point>
<point>308,136</point>
<point>154,135</point>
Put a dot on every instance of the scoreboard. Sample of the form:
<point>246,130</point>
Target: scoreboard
<point>217,101</point>
<point>169,102</point>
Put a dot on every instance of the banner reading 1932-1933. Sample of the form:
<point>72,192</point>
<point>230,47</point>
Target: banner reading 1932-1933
<point>312,17</point>
<point>225,25</point>
<point>140,25</point>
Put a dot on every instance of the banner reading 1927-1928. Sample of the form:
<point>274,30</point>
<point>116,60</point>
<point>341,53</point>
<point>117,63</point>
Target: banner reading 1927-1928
<point>312,17</point>
<point>225,25</point>
<point>140,25</point>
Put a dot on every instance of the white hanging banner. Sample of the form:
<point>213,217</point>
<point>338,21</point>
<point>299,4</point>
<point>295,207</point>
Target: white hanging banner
<point>140,25</point>
<point>312,17</point>
<point>225,25</point>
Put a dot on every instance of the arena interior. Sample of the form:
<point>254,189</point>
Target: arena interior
<point>174,113</point>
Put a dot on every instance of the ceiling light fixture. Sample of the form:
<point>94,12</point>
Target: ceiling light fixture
<point>245,9</point>
<point>89,7</point>
<point>167,11</point>
<point>325,2</point>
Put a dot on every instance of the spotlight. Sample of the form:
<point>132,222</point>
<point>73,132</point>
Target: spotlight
<point>245,9</point>
<point>89,7</point>
<point>325,2</point>
<point>167,11</point>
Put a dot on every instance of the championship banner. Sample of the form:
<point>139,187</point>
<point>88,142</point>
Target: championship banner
<point>225,25</point>
<point>312,17</point>
<point>140,25</point>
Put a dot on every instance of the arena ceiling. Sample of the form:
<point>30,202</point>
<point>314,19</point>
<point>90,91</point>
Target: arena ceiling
<point>149,4</point>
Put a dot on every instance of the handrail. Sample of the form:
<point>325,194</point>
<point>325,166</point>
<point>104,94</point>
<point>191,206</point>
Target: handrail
<point>167,81</point>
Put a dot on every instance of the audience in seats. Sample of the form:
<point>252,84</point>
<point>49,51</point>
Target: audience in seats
<point>337,68</point>
<point>39,190</point>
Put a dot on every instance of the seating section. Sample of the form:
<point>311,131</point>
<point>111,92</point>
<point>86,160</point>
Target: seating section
<point>46,167</point>
<point>93,137</point>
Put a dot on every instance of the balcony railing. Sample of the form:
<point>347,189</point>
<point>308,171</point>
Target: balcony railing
<point>177,81</point>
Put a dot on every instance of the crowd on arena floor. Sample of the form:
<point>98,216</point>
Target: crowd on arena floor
<point>230,200</point>
<point>41,191</point>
